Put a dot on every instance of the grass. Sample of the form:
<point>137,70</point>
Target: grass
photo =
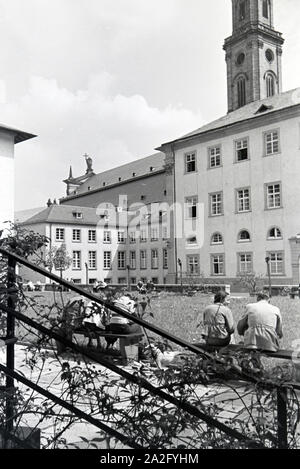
<point>180,315</point>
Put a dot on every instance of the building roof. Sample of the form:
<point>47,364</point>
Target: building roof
<point>23,215</point>
<point>64,214</point>
<point>20,136</point>
<point>123,173</point>
<point>250,111</point>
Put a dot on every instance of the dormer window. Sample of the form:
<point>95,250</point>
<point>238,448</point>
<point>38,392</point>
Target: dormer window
<point>120,179</point>
<point>78,215</point>
<point>133,175</point>
<point>104,184</point>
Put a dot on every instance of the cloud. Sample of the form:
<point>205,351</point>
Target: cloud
<point>112,128</point>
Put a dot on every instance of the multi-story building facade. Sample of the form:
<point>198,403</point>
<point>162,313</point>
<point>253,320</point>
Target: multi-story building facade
<point>238,177</point>
<point>102,245</point>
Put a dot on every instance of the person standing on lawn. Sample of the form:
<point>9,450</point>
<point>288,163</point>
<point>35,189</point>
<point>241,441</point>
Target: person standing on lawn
<point>261,325</point>
<point>218,321</point>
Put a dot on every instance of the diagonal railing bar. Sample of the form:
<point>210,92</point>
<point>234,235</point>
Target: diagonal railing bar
<point>79,413</point>
<point>108,305</point>
<point>190,409</point>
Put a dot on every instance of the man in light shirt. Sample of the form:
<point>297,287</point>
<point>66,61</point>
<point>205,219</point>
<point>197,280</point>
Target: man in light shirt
<point>261,325</point>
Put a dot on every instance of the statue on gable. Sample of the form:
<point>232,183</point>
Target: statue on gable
<point>89,163</point>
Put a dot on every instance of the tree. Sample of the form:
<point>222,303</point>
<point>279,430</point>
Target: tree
<point>58,258</point>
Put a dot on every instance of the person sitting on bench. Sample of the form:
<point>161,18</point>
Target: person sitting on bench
<point>218,321</point>
<point>119,324</point>
<point>261,325</point>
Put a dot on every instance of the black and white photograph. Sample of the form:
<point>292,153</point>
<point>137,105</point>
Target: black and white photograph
<point>149,228</point>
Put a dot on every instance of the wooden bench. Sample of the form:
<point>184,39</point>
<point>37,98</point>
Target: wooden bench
<point>281,354</point>
<point>128,343</point>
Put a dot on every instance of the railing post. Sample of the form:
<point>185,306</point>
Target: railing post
<point>282,435</point>
<point>10,348</point>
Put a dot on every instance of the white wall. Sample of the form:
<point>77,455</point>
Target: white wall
<point>6,177</point>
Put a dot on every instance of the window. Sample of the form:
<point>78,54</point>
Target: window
<point>274,233</point>
<point>272,142</point>
<point>265,8</point>
<point>273,196</point>
<point>214,157</point>
<point>270,83</point>
<point>107,237</point>
<point>92,236</point>
<point>76,237</point>
<point>243,200</point>
<point>121,260</point>
<point>191,240</point>
<point>132,237</point>
<point>92,281</point>
<point>133,281</point>
<point>191,207</point>
<point>242,10</point>
<point>143,259</point>
<point>190,163</point>
<point>276,263</point>
<point>244,236</point>
<point>217,264</point>
<point>155,280</point>
<point>165,259</point>
<point>164,233</point>
<point>92,260</point>
<point>245,264</point>
<point>241,91</point>
<point>192,265</point>
<point>217,238</point>
<point>143,236</point>
<point>78,215</point>
<point>132,260</point>
<point>121,237</point>
<point>60,234</point>
<point>76,260</point>
<point>77,281</point>
<point>216,204</point>
<point>154,259</point>
<point>241,150</point>
<point>107,260</point>
<point>154,234</point>
<point>122,281</point>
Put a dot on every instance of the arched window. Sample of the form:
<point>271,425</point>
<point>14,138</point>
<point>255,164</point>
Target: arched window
<point>270,81</point>
<point>274,233</point>
<point>265,8</point>
<point>217,238</point>
<point>241,91</point>
<point>244,236</point>
<point>242,10</point>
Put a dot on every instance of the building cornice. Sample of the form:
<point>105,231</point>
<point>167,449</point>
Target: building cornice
<point>237,127</point>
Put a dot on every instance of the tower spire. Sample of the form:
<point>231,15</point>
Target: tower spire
<point>253,53</point>
<point>71,173</point>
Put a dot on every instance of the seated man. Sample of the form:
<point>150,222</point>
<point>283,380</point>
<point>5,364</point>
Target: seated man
<point>261,325</point>
<point>218,321</point>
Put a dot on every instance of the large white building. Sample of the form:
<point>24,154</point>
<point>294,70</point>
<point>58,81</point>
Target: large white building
<point>238,177</point>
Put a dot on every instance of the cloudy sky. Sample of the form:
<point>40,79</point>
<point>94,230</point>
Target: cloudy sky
<point>114,78</point>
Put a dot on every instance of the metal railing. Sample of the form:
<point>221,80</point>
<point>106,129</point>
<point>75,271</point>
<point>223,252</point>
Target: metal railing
<point>12,375</point>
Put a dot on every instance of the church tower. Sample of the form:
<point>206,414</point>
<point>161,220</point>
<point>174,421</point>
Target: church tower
<point>253,54</point>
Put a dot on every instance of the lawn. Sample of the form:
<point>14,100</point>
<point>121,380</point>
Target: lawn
<point>180,315</point>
